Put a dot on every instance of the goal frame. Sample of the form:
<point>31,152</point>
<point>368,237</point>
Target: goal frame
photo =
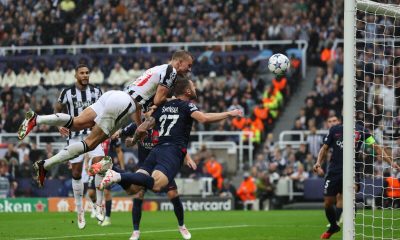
<point>350,8</point>
<point>348,118</point>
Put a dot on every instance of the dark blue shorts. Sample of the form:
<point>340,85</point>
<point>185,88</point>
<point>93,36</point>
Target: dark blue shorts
<point>166,158</point>
<point>333,184</point>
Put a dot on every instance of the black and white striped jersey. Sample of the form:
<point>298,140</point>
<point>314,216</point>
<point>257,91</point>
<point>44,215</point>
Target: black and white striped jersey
<point>144,87</point>
<point>77,100</point>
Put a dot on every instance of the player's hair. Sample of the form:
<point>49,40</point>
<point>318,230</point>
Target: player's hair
<point>181,85</point>
<point>336,116</point>
<point>81,66</point>
<point>181,55</point>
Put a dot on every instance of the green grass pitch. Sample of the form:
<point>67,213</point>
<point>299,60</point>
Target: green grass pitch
<point>278,224</point>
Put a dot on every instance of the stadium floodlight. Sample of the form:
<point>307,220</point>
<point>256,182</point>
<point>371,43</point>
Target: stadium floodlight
<point>371,67</point>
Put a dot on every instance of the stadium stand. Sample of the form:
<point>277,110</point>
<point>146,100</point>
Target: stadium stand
<point>227,78</point>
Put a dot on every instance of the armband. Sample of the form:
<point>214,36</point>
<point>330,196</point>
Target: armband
<point>370,140</point>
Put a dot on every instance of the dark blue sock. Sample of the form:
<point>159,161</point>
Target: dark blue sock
<point>331,216</point>
<point>125,185</point>
<point>140,179</point>
<point>178,209</point>
<point>136,213</point>
<point>338,213</point>
<point>108,208</point>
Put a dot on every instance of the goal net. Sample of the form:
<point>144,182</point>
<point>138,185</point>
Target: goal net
<point>377,98</point>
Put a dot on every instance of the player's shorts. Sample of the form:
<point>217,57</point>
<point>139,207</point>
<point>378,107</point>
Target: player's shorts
<point>333,184</point>
<point>167,158</point>
<point>113,111</point>
<point>97,152</point>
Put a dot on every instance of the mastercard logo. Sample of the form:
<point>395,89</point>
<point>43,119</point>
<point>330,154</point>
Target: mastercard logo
<point>150,206</point>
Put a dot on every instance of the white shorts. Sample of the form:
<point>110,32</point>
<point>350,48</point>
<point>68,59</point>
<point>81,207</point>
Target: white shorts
<point>113,110</point>
<point>97,152</point>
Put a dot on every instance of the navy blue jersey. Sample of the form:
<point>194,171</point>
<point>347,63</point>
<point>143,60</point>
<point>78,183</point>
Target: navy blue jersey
<point>334,139</point>
<point>145,146</point>
<point>174,122</point>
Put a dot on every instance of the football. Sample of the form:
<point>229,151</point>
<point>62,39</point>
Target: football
<point>278,64</point>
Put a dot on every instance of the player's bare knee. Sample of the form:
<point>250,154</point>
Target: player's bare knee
<point>92,142</point>
<point>140,194</point>
<point>172,194</point>
<point>134,190</point>
<point>160,180</point>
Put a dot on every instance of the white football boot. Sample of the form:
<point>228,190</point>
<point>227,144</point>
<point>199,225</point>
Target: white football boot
<point>135,235</point>
<point>185,232</point>
<point>81,219</point>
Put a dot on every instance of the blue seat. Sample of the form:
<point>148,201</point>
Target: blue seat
<point>294,51</point>
<point>25,186</point>
<point>369,188</point>
<point>207,54</point>
<point>51,188</point>
<point>263,55</point>
<point>314,189</point>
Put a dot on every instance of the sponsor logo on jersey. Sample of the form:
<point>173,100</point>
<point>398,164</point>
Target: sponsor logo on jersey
<point>170,109</point>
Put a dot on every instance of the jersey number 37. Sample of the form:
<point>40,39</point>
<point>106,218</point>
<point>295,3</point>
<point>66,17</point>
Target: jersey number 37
<point>167,122</point>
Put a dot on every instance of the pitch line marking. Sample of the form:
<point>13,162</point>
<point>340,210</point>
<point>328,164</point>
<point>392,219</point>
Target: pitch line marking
<point>127,233</point>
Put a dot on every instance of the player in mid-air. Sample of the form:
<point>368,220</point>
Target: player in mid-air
<point>76,99</point>
<point>111,112</point>
<point>173,121</point>
<point>144,148</point>
<point>334,178</point>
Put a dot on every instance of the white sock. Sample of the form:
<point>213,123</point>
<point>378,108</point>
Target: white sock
<point>66,154</point>
<point>99,193</point>
<point>77,187</point>
<point>58,120</point>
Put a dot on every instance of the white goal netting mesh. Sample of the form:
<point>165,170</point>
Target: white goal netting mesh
<point>377,101</point>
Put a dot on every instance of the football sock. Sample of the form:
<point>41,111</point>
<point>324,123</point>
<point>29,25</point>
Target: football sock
<point>138,179</point>
<point>99,193</point>
<point>77,187</point>
<point>108,208</point>
<point>338,213</point>
<point>136,213</point>
<point>331,216</point>
<point>68,153</point>
<point>178,209</point>
<point>58,120</point>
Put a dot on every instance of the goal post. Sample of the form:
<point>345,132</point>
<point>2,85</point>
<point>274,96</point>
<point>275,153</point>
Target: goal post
<point>371,76</point>
<point>348,118</point>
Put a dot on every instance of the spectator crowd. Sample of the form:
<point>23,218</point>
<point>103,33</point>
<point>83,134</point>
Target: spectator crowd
<point>225,80</point>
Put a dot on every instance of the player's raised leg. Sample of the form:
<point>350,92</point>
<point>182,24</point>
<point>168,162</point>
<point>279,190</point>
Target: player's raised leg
<point>84,120</point>
<point>91,141</point>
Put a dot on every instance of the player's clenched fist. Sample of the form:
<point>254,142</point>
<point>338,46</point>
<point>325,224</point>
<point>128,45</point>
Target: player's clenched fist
<point>317,169</point>
<point>235,113</point>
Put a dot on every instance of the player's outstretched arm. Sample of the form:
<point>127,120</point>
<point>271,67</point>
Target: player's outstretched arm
<point>214,117</point>
<point>321,157</point>
<point>386,157</point>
